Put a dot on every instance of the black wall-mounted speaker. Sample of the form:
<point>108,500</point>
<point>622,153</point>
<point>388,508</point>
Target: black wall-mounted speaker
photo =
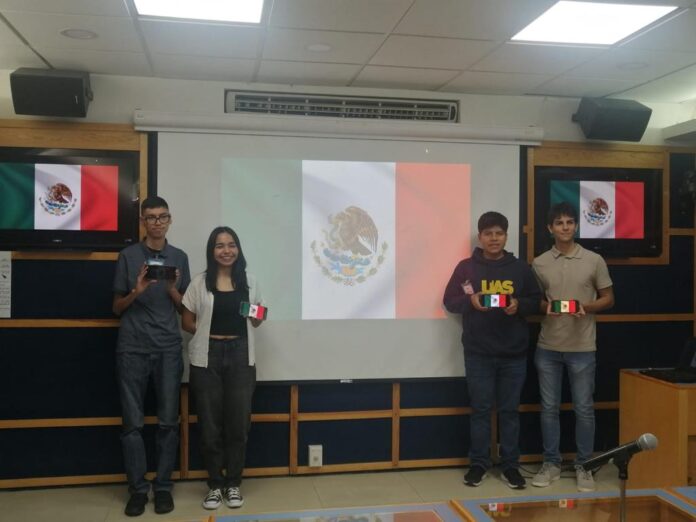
<point>49,92</point>
<point>611,119</point>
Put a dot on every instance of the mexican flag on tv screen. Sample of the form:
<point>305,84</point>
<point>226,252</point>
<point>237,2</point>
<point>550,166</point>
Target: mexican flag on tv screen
<point>606,209</point>
<point>52,196</point>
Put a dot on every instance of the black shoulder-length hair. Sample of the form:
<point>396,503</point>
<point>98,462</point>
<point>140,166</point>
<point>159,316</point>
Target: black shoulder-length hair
<point>239,277</point>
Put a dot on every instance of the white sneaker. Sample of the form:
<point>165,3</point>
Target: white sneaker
<point>233,497</point>
<point>546,475</point>
<point>213,499</point>
<point>585,479</point>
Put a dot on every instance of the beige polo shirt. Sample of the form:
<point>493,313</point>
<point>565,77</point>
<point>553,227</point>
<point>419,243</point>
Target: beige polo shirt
<point>577,275</point>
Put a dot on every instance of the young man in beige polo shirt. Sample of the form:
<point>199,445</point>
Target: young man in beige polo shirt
<point>568,271</point>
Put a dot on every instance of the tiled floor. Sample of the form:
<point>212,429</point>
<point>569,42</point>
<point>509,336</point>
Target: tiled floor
<point>280,494</point>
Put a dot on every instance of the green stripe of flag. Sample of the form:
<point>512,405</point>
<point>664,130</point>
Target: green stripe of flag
<point>568,191</point>
<point>17,193</point>
<point>262,199</point>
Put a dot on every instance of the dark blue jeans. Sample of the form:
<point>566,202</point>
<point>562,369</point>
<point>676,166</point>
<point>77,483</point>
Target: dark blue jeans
<point>223,393</point>
<point>495,381</point>
<point>134,371</point>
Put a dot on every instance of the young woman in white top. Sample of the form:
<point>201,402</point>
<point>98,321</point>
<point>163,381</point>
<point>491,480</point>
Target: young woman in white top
<point>222,372</point>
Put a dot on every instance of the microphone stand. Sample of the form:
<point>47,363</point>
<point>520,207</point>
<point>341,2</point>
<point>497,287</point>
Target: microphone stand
<point>622,464</point>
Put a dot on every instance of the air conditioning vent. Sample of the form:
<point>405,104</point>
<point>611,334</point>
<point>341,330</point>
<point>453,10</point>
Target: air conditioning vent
<point>342,106</point>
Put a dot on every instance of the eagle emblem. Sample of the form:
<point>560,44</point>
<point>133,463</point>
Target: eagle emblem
<point>350,252</point>
<point>597,212</point>
<point>58,200</point>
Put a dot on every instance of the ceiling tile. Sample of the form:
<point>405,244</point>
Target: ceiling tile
<point>675,88</point>
<point>43,30</point>
<point>495,83</point>
<point>634,64</point>
<point>14,56</point>
<point>438,45</point>
<point>8,37</point>
<point>403,77</point>
<point>437,53</point>
<point>535,59</point>
<point>201,39</point>
<point>291,44</point>
<point>579,87</point>
<point>203,67</point>
<point>369,16</point>
<point>98,62</point>
<point>306,73</point>
<point>677,34</point>
<point>473,19</point>
<point>76,7</point>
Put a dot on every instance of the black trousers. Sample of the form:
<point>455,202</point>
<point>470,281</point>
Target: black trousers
<point>223,393</point>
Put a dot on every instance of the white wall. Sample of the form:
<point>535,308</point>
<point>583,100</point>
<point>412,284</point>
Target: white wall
<point>116,97</point>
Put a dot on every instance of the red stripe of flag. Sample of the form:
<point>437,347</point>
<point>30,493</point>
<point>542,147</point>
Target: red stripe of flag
<point>572,308</point>
<point>432,234</point>
<point>99,197</point>
<point>630,210</point>
<point>503,301</point>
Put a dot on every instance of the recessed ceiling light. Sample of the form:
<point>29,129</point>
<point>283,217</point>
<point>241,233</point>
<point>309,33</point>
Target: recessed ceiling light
<point>79,34</point>
<point>319,47</point>
<point>245,11</point>
<point>590,23</point>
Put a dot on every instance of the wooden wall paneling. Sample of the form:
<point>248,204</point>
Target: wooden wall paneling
<point>59,323</point>
<point>323,416</point>
<point>396,423</point>
<point>81,422</point>
<point>50,134</point>
<point>144,174</point>
<point>435,412</point>
<point>294,407</point>
<point>65,256</point>
<point>184,431</point>
<point>569,154</point>
<point>530,226</point>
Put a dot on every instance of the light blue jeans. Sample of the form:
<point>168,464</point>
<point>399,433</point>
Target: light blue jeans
<point>581,373</point>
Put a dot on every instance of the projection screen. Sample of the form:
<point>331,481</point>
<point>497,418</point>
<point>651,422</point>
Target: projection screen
<point>352,241</point>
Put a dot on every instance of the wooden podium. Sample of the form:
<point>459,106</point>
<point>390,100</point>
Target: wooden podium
<point>668,411</point>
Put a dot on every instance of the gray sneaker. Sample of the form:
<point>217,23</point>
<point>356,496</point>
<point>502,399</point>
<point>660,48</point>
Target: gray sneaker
<point>585,479</point>
<point>546,474</point>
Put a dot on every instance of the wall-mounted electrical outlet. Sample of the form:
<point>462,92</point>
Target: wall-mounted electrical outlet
<point>316,459</point>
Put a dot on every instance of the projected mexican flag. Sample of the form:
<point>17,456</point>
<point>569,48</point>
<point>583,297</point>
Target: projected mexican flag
<point>606,209</point>
<point>59,197</point>
<point>348,239</point>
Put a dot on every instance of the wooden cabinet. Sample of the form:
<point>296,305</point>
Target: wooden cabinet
<point>668,411</point>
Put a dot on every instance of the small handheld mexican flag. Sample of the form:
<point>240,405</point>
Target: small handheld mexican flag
<point>559,306</point>
<point>253,311</point>
<point>495,300</point>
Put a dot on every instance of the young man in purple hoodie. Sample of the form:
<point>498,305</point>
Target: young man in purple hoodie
<point>494,291</point>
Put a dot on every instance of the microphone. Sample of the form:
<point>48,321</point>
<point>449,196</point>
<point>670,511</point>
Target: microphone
<point>646,441</point>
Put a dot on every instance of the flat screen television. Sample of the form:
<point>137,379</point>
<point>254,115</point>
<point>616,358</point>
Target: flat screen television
<point>619,209</point>
<point>68,199</point>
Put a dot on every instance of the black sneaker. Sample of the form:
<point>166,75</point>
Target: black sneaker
<point>164,503</point>
<point>136,504</point>
<point>513,478</point>
<point>475,476</point>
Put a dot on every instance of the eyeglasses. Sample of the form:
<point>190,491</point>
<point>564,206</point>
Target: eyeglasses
<point>162,218</point>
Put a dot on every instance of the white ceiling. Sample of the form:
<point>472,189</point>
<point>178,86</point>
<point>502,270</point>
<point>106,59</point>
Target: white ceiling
<point>458,46</point>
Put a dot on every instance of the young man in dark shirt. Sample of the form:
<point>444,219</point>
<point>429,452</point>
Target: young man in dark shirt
<point>496,340</point>
<point>149,347</point>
